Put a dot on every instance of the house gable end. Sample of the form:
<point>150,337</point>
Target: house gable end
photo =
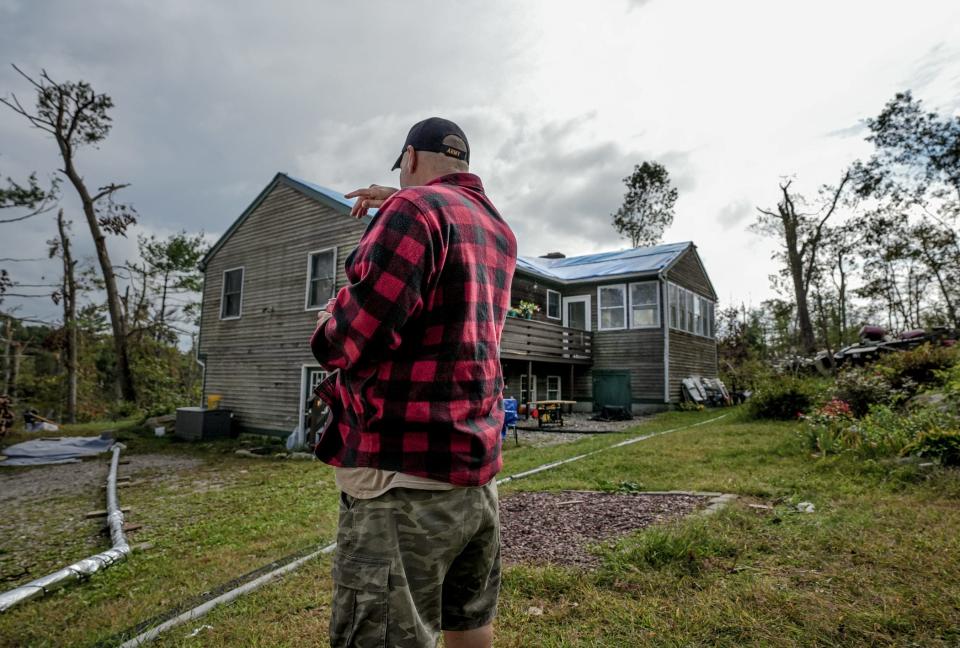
<point>688,270</point>
<point>279,179</point>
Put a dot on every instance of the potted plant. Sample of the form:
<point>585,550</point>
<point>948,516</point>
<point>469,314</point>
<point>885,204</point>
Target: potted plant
<point>526,309</point>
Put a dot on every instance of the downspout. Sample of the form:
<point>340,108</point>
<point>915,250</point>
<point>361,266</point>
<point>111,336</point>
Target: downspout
<point>88,566</point>
<point>666,337</point>
<point>199,359</point>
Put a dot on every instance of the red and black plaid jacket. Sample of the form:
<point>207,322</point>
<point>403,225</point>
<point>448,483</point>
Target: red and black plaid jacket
<point>416,338</point>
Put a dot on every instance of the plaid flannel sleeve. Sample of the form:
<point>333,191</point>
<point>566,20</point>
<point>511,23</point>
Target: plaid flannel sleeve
<point>387,273</point>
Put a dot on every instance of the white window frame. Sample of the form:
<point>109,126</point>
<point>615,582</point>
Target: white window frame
<point>656,306</point>
<point>223,292</point>
<point>574,299</point>
<point>697,315</point>
<point>523,388</point>
<point>600,308</point>
<point>673,304</point>
<point>559,305</point>
<point>558,390</point>
<point>306,298</point>
<point>700,320</point>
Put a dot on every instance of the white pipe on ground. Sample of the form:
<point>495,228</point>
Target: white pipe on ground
<point>227,597</point>
<point>86,567</point>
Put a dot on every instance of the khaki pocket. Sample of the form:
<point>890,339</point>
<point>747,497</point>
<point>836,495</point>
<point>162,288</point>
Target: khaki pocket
<point>360,589</point>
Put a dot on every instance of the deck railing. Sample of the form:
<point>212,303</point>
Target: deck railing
<point>525,339</point>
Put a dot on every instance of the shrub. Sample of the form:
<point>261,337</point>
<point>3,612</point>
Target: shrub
<point>746,374</point>
<point>782,398</point>
<point>861,388</point>
<point>910,370</point>
<point>827,430</point>
<point>883,432</point>
<point>942,445</point>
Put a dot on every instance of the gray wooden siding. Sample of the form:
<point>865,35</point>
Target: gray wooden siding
<point>688,273</point>
<point>690,355</point>
<point>640,351</point>
<point>255,361</point>
<point>533,289</point>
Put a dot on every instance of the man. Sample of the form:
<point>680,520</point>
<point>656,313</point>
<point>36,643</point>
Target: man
<point>416,406</point>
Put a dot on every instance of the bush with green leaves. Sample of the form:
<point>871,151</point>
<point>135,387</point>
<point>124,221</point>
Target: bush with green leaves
<point>942,445</point>
<point>918,368</point>
<point>785,399</point>
<point>861,388</point>
<point>883,432</point>
<point>826,429</point>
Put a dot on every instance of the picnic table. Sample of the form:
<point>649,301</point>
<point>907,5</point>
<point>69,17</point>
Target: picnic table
<point>549,412</point>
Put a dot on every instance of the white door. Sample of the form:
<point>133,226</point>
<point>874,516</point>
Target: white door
<point>528,395</point>
<point>576,312</point>
<point>310,378</point>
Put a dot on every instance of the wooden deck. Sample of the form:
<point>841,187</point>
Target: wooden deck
<point>525,339</point>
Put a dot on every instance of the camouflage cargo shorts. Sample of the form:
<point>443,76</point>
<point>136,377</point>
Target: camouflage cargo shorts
<point>411,563</point>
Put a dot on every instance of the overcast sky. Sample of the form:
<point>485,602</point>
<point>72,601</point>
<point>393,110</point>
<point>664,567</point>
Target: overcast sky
<point>559,100</point>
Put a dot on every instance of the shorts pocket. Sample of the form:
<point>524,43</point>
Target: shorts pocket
<point>360,590</point>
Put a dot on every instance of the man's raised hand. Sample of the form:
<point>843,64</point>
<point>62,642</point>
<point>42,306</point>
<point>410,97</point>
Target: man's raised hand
<point>370,198</point>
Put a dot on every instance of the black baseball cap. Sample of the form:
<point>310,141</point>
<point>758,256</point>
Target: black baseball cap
<point>428,135</point>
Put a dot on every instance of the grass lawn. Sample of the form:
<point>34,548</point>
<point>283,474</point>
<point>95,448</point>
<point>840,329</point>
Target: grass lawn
<point>878,563</point>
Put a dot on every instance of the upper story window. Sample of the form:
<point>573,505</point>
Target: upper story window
<point>231,297</point>
<point>321,272</point>
<point>553,304</point>
<point>645,304</point>
<point>612,307</point>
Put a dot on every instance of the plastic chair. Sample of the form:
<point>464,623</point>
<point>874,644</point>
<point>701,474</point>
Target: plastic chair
<point>510,418</point>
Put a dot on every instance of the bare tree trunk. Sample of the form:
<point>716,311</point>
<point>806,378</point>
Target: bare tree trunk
<point>18,349</point>
<point>117,320</point>
<point>69,319</point>
<point>824,329</point>
<point>163,304</point>
<point>7,342</point>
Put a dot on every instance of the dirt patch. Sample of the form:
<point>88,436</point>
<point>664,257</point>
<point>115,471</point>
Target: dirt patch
<point>559,527</point>
<point>25,485</point>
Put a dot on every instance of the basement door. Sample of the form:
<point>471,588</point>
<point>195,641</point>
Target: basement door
<point>310,377</point>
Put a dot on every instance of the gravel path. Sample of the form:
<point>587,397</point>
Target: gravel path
<point>580,422</point>
<point>22,485</point>
<point>557,528</point>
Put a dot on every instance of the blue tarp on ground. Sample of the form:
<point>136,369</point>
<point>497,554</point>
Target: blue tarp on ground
<point>55,450</point>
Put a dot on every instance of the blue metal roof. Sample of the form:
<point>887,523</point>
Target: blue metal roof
<point>330,193</point>
<point>635,261</point>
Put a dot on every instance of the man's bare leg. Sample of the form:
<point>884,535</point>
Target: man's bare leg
<point>477,638</point>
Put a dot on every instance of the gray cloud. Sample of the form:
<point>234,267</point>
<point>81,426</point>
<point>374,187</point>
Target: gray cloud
<point>857,130</point>
<point>928,68</point>
<point>212,101</point>
<point>735,213</point>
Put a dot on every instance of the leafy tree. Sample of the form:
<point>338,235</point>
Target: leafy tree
<point>31,197</point>
<point>913,181</point>
<point>76,116</point>
<point>164,286</point>
<point>647,209</point>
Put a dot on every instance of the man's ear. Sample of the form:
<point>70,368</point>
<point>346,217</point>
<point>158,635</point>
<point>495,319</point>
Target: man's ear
<point>411,159</point>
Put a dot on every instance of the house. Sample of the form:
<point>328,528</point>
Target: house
<point>614,328</point>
